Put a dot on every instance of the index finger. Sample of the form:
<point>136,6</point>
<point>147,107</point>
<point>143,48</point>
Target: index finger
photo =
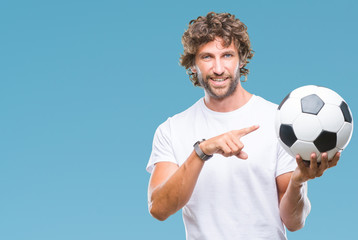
<point>245,131</point>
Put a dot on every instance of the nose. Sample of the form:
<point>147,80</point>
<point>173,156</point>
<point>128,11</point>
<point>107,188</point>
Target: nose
<point>218,67</point>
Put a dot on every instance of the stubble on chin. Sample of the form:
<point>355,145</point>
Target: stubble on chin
<point>234,81</point>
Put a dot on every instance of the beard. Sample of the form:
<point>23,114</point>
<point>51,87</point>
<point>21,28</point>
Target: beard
<point>219,95</point>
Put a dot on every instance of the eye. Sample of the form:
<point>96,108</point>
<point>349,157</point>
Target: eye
<point>228,55</point>
<point>206,57</point>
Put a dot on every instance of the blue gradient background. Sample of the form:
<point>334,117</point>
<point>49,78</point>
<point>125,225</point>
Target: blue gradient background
<point>84,84</point>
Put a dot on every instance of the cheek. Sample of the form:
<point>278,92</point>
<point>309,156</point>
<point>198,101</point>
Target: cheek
<point>202,70</point>
<point>233,69</point>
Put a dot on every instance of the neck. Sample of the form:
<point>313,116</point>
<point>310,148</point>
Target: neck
<point>238,99</point>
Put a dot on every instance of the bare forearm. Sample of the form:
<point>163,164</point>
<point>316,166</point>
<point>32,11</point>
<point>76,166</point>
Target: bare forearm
<point>170,190</point>
<point>170,196</point>
<point>295,206</point>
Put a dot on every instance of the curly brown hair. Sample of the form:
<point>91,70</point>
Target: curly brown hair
<point>206,29</point>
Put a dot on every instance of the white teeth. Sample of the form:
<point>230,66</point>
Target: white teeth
<point>218,79</point>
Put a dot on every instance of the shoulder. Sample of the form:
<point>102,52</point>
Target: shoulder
<point>263,103</point>
<point>182,118</point>
<point>187,114</point>
<point>263,108</point>
<point>263,112</point>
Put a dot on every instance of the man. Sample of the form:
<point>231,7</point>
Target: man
<point>238,183</point>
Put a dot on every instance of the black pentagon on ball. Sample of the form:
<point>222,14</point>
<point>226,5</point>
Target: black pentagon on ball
<point>326,141</point>
<point>287,135</point>
<point>346,113</point>
<point>311,104</point>
<point>283,101</point>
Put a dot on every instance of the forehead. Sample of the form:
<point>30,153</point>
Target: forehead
<point>216,46</point>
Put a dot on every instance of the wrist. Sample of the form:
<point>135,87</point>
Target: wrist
<point>198,147</point>
<point>296,183</point>
<point>202,146</point>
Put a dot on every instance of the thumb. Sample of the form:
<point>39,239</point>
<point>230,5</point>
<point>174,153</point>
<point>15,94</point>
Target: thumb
<point>242,155</point>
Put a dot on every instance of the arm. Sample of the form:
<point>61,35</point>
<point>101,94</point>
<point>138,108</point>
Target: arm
<point>294,203</point>
<point>171,187</point>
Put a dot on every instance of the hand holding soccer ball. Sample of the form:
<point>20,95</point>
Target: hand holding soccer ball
<point>313,119</point>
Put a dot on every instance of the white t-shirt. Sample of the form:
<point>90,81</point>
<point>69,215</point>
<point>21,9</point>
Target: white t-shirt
<point>233,198</point>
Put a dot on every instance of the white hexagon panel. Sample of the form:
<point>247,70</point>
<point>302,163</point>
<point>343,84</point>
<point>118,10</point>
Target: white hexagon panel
<point>290,110</point>
<point>331,118</point>
<point>305,149</point>
<point>307,127</point>
<point>329,96</point>
<point>344,135</point>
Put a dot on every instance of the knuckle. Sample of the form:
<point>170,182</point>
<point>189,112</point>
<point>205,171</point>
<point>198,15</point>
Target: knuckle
<point>236,149</point>
<point>311,175</point>
<point>221,141</point>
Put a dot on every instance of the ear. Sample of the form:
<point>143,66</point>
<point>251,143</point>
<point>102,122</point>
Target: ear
<point>193,69</point>
<point>241,64</point>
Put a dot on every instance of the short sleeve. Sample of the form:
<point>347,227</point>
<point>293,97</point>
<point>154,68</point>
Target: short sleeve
<point>162,150</point>
<point>285,162</point>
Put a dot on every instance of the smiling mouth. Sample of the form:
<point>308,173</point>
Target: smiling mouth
<point>218,79</point>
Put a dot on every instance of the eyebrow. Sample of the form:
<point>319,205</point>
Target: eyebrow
<point>203,53</point>
<point>230,51</point>
<point>223,53</point>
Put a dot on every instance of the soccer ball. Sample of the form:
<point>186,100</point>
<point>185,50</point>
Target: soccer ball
<point>313,119</point>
